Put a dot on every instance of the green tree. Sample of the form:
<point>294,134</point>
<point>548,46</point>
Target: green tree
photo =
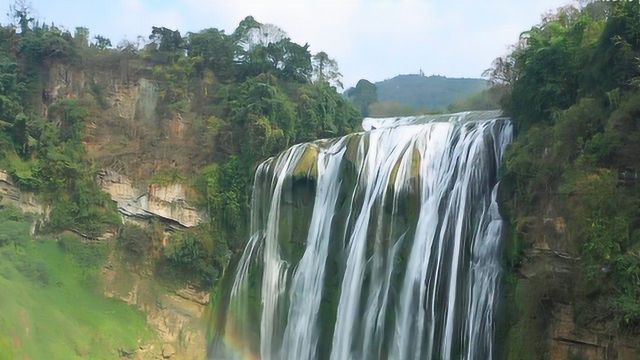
<point>169,45</point>
<point>570,91</point>
<point>11,90</point>
<point>363,95</point>
<point>213,49</point>
<point>81,37</point>
<point>325,69</point>
<point>192,253</point>
<point>244,27</point>
<point>21,11</point>
<point>101,42</point>
<point>136,241</point>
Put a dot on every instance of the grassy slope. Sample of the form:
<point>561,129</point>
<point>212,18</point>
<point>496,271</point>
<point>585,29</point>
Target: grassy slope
<point>50,303</point>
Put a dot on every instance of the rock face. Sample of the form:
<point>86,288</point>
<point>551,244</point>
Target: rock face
<point>166,202</point>
<point>177,316</point>
<point>25,201</point>
<point>568,341</point>
<point>544,299</point>
<point>127,136</point>
<point>127,133</point>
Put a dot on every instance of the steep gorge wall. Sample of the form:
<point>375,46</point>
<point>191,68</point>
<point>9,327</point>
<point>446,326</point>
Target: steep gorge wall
<point>125,132</point>
<point>178,316</point>
<point>128,140</point>
<point>548,317</point>
<point>130,144</point>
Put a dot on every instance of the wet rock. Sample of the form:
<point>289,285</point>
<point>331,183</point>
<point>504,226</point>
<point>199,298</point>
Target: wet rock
<point>307,166</point>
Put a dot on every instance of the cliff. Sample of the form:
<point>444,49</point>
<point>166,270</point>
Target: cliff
<point>26,201</point>
<point>178,315</point>
<point>164,202</point>
<point>548,311</point>
<point>114,140</point>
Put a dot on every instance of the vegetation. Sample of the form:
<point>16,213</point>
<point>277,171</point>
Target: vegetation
<point>248,95</point>
<point>430,93</point>
<point>571,87</point>
<point>65,273</point>
<point>259,93</point>
<point>407,95</point>
<point>488,99</point>
<point>67,178</point>
<point>391,108</point>
<point>135,241</point>
<point>46,154</point>
<point>197,255</point>
<point>363,96</point>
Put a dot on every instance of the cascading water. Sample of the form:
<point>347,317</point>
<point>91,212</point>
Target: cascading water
<point>378,245</point>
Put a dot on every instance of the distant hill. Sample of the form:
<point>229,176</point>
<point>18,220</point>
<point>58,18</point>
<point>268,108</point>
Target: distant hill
<point>430,92</point>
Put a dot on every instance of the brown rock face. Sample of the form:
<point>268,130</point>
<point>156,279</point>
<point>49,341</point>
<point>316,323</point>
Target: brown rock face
<point>550,320</point>
<point>178,317</point>
<point>568,341</point>
<point>25,201</point>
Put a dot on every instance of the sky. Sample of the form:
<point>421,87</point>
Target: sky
<point>371,39</point>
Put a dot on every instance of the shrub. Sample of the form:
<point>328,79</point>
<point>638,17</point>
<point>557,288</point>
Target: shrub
<point>187,253</point>
<point>135,241</point>
<point>89,255</point>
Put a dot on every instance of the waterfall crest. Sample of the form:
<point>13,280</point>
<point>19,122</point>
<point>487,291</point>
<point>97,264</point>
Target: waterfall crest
<point>377,245</point>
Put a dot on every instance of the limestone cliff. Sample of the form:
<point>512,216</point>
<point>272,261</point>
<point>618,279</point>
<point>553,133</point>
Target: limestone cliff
<point>26,201</point>
<point>131,143</point>
<point>164,202</point>
<point>126,133</point>
<point>177,316</point>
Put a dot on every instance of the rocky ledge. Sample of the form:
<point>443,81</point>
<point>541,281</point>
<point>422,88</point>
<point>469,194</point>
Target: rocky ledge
<point>166,202</point>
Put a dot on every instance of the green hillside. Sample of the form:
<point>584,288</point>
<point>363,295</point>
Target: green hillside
<point>430,92</point>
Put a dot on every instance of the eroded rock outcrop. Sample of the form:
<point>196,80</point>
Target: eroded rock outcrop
<point>25,201</point>
<point>166,202</point>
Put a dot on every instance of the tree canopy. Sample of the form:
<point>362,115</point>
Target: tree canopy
<point>363,95</point>
<point>245,96</point>
<point>571,88</point>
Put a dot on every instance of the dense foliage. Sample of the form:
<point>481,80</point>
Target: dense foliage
<point>248,95</point>
<point>363,95</point>
<point>259,93</point>
<point>198,255</point>
<point>43,150</point>
<point>573,93</point>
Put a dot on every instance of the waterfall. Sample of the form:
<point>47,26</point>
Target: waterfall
<point>377,245</point>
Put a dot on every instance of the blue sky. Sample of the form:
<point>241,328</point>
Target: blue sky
<point>372,39</point>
